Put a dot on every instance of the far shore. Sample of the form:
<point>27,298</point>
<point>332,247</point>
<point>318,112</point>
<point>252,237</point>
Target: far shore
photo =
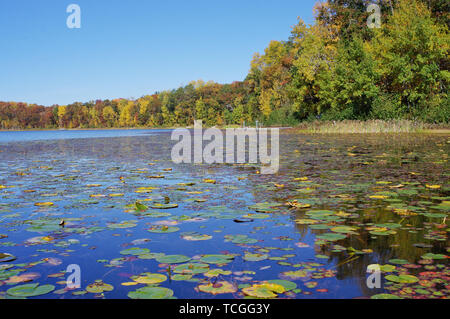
<point>319,127</point>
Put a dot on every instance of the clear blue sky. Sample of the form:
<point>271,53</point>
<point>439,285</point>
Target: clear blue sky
<point>130,48</point>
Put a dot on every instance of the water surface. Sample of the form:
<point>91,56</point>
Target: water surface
<point>361,200</point>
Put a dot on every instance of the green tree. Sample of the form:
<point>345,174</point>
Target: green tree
<point>349,87</point>
<point>411,52</point>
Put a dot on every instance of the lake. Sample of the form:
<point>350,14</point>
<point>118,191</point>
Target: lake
<point>138,226</point>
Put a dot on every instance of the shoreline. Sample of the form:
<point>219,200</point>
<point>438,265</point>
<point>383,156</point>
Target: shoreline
<point>317,127</point>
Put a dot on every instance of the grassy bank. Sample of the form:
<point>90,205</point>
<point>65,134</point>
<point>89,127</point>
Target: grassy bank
<point>336,127</point>
<point>371,126</point>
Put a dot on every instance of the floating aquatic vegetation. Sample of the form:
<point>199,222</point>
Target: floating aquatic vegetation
<point>5,257</point>
<point>192,227</point>
<point>217,272</point>
<point>164,206</point>
<point>124,224</point>
<point>149,278</point>
<point>151,293</point>
<point>30,290</point>
<point>408,279</point>
<point>98,287</point>
<point>191,268</point>
<point>216,259</point>
<point>240,239</point>
<point>135,251</point>
<point>194,236</point>
<point>264,290</point>
<point>220,287</point>
<point>172,259</point>
<point>255,257</point>
<point>163,229</point>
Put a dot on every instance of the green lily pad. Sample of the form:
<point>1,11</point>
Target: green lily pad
<point>264,207</point>
<point>180,277</point>
<point>44,225</point>
<point>288,285</point>
<point>217,259</point>
<point>5,257</point>
<point>255,257</point>
<point>344,229</point>
<point>140,207</point>
<point>161,229</point>
<point>240,239</point>
<point>331,236</point>
<point>256,216</point>
<point>385,296</point>
<point>382,232</point>
<point>311,284</point>
<point>265,290</point>
<point>98,287</point>
<point>30,290</point>
<point>149,278</point>
<point>217,272</point>
<point>434,256</point>
<point>398,261</point>
<point>194,236</point>
<point>124,224</point>
<point>135,251</point>
<point>164,206</point>
<point>221,287</point>
<point>296,274</point>
<point>191,268</point>
<point>151,293</point>
<point>404,279</point>
<point>172,259</point>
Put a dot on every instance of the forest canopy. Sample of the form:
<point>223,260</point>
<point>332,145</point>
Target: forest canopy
<point>336,69</point>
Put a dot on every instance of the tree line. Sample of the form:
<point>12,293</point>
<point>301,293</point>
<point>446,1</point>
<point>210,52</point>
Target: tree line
<point>336,69</point>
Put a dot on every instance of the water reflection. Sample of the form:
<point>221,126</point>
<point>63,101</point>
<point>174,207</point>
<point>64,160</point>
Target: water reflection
<point>335,173</point>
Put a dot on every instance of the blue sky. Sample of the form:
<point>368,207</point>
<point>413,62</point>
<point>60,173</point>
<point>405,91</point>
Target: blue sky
<point>132,48</point>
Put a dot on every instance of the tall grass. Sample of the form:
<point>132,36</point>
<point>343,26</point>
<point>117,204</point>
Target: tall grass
<point>370,126</point>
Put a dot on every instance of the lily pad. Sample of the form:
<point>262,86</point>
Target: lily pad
<point>191,268</point>
<point>151,293</point>
<point>172,259</point>
<point>331,236</point>
<point>217,259</point>
<point>122,225</point>
<point>5,257</point>
<point>385,296</point>
<point>398,261</point>
<point>135,251</point>
<point>264,207</point>
<point>434,256</point>
<point>217,272</point>
<point>404,279</point>
<point>288,285</point>
<point>149,278</point>
<point>240,239</point>
<point>161,229</point>
<point>255,257</point>
<point>140,207</point>
<point>30,290</point>
<point>194,236</point>
<point>221,287</point>
<point>296,274</point>
<point>164,206</point>
<point>265,290</point>
<point>98,287</point>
